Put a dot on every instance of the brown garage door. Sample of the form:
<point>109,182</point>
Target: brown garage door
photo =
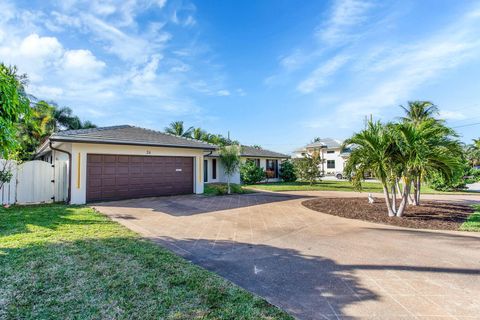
<point>114,177</point>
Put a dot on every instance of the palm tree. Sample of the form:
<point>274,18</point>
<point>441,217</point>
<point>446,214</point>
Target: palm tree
<point>418,111</point>
<point>425,140</point>
<point>65,120</point>
<point>473,152</point>
<point>198,134</point>
<point>176,128</point>
<point>374,152</point>
<point>425,148</point>
<point>230,159</point>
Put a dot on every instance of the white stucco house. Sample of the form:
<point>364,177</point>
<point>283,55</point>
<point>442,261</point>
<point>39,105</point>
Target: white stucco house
<point>269,161</point>
<point>330,151</point>
<point>122,162</point>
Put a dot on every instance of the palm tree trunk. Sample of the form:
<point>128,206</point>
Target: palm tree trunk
<point>418,191</point>
<point>397,184</point>
<point>411,199</point>
<point>391,213</point>
<point>394,198</point>
<point>415,183</point>
<point>228,185</point>
<point>405,195</point>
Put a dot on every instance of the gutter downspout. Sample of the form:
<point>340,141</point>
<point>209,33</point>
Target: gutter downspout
<point>69,193</point>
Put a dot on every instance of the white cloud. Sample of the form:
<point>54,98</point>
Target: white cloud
<point>382,77</point>
<point>452,115</point>
<point>223,93</point>
<point>319,77</point>
<point>32,54</point>
<point>161,3</point>
<point>82,63</point>
<point>346,15</point>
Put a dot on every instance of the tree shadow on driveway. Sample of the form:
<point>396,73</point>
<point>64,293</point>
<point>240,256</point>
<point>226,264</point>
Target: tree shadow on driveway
<point>189,205</point>
<point>307,286</point>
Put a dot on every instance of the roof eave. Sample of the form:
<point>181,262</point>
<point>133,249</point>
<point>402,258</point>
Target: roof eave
<point>59,139</point>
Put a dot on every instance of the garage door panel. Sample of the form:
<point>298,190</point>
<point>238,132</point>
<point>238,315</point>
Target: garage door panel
<point>112,177</point>
<point>109,159</point>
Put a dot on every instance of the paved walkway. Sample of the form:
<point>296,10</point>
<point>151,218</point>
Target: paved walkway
<point>313,265</point>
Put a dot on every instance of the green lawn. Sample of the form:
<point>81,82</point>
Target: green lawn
<point>331,185</point>
<point>473,222</point>
<point>61,262</point>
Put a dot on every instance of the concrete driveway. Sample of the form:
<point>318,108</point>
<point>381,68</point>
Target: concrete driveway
<point>313,265</point>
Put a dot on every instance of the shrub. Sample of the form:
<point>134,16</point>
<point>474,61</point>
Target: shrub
<point>287,171</point>
<point>439,182</point>
<point>219,189</point>
<point>306,168</point>
<point>472,176</point>
<point>250,173</point>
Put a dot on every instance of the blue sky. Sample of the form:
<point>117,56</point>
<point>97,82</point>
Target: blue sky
<point>274,73</point>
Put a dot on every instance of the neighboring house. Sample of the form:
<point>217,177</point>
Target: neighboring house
<point>123,162</point>
<point>269,161</point>
<point>331,153</point>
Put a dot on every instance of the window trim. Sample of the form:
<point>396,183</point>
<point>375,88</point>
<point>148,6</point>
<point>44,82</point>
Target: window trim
<point>329,162</point>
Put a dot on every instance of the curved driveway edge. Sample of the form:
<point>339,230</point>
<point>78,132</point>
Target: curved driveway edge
<point>314,265</point>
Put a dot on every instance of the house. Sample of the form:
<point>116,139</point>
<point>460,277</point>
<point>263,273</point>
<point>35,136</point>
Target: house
<point>269,161</point>
<point>123,162</point>
<point>331,153</point>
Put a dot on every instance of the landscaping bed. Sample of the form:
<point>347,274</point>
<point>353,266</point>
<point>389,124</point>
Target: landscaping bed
<point>220,189</point>
<point>429,215</point>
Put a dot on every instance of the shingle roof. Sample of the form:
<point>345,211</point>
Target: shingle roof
<point>248,151</point>
<point>326,143</point>
<point>129,135</point>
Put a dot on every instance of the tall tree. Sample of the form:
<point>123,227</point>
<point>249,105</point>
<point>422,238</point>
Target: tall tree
<point>35,129</point>
<point>198,134</point>
<point>418,111</point>
<point>473,152</point>
<point>375,152</point>
<point>14,106</point>
<point>66,120</point>
<point>429,138</point>
<point>230,159</point>
<point>426,148</point>
<point>177,128</point>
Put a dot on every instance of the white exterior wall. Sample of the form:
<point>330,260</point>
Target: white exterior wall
<point>79,163</point>
<point>339,161</point>
<point>235,178</point>
<point>210,170</point>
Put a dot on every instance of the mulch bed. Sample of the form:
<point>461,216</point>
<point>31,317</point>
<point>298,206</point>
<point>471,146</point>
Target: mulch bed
<point>429,215</point>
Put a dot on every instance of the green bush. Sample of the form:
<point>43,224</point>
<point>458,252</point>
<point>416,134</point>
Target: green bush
<point>473,175</point>
<point>287,171</point>
<point>250,173</point>
<point>306,168</point>
<point>439,182</point>
<point>219,189</point>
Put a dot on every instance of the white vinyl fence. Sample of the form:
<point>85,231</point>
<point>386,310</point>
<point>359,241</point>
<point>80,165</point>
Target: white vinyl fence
<point>35,182</point>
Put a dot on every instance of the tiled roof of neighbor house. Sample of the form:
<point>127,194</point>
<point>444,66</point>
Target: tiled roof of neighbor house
<point>129,135</point>
<point>326,143</point>
<point>248,151</point>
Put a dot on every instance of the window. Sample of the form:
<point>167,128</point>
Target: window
<point>205,170</point>
<point>330,151</point>
<point>330,164</point>
<point>272,169</point>
<point>214,168</point>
